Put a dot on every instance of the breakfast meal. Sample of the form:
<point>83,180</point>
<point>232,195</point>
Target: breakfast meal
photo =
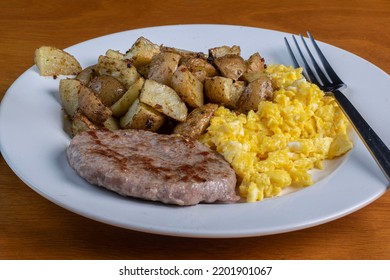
<point>184,127</point>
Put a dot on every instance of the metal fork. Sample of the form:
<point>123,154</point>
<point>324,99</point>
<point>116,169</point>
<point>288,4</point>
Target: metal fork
<point>330,83</point>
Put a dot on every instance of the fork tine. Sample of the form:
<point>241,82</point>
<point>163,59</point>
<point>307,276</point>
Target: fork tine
<point>295,62</point>
<point>320,73</point>
<point>331,73</point>
<point>307,68</point>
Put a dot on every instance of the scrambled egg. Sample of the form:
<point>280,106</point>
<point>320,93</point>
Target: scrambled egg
<point>276,146</point>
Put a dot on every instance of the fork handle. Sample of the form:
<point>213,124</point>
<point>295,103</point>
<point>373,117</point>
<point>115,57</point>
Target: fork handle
<point>374,144</point>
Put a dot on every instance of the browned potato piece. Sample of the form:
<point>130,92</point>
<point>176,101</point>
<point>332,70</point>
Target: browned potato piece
<point>197,121</point>
<point>164,99</point>
<point>114,54</point>
<point>87,74</point>
<point>69,95</point>
<point>256,91</point>
<point>123,104</point>
<point>111,123</point>
<point>200,68</point>
<point>52,61</point>
<point>108,89</point>
<point>231,66</point>
<point>255,68</point>
<point>122,70</point>
<point>223,90</point>
<point>81,123</point>
<point>162,67</point>
<point>142,116</point>
<point>92,106</point>
<point>142,52</point>
<point>185,54</point>
<point>188,87</point>
<point>224,50</point>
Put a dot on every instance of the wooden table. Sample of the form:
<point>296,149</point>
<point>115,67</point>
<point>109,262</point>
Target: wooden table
<point>32,227</point>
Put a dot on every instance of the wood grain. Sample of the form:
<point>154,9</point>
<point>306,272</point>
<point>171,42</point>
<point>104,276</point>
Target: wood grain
<point>32,227</point>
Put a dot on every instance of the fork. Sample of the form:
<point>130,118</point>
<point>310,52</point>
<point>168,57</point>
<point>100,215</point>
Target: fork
<point>331,84</point>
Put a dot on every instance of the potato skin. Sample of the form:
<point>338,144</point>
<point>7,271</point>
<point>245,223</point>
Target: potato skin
<point>231,66</point>
<point>123,70</point>
<point>142,52</point>
<point>142,116</point>
<point>69,95</point>
<point>87,74</point>
<point>224,50</point>
<point>92,106</point>
<point>162,67</point>
<point>188,87</point>
<point>108,89</point>
<point>200,68</point>
<point>256,91</point>
<point>255,68</point>
<point>224,91</point>
<point>197,121</point>
<point>115,54</point>
<point>80,123</point>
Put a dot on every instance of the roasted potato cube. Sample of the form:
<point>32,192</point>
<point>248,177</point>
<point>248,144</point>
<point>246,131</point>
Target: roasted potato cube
<point>197,121</point>
<point>237,89</point>
<point>107,88</point>
<point>188,87</point>
<point>144,70</point>
<point>111,123</point>
<point>69,95</point>
<point>223,90</point>
<point>81,123</point>
<point>87,74</point>
<point>123,104</point>
<point>142,116</point>
<point>122,70</point>
<point>162,67</point>
<point>142,52</point>
<point>256,91</point>
<point>231,66</point>
<point>200,68</point>
<point>115,54</point>
<point>164,99</point>
<point>185,54</point>
<point>255,68</point>
<point>224,50</point>
<point>92,106</point>
<point>52,61</point>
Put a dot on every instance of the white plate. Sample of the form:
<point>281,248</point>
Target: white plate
<point>33,143</point>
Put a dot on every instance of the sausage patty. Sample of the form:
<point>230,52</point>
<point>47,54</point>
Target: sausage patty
<point>167,168</point>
